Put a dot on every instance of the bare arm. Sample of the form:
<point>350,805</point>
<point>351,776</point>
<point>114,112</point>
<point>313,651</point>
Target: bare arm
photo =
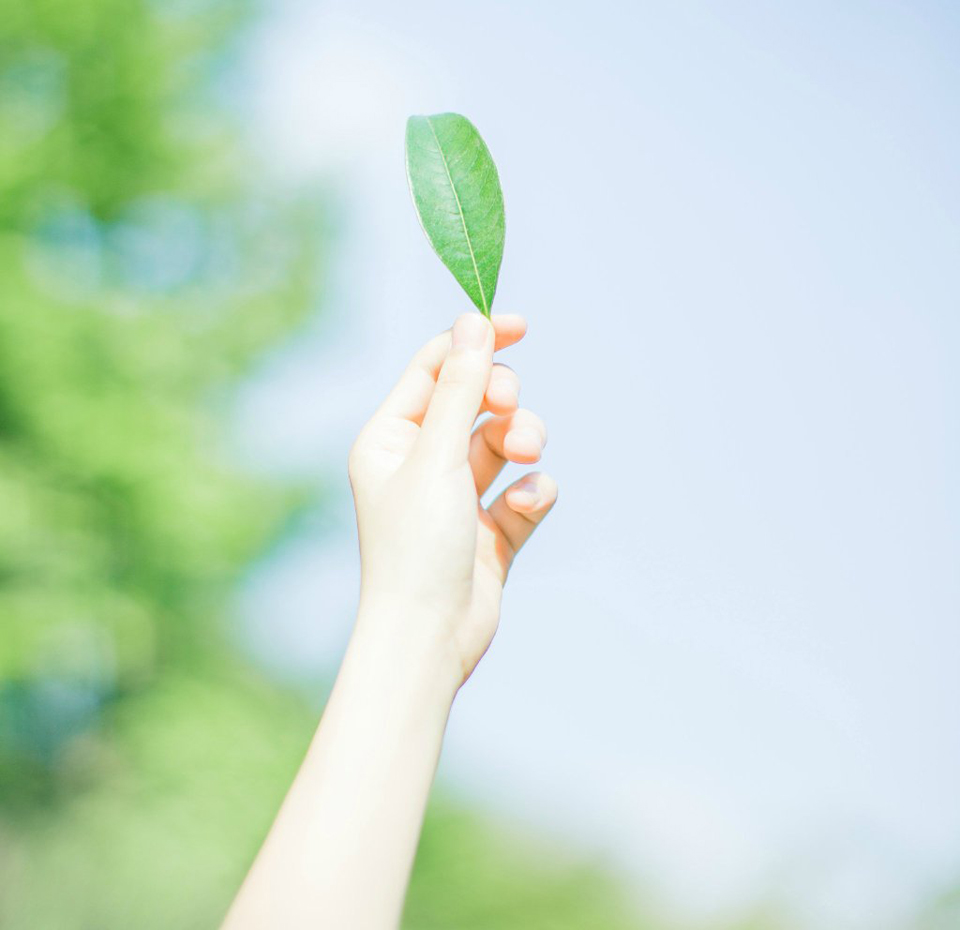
<point>434,562</point>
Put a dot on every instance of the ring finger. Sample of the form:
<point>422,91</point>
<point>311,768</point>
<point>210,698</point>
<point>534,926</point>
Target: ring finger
<point>518,437</point>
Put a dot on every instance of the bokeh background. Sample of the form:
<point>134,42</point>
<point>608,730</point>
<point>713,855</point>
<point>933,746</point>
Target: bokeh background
<point>725,692</point>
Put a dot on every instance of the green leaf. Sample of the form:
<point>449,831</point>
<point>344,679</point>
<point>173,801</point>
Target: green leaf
<point>456,191</point>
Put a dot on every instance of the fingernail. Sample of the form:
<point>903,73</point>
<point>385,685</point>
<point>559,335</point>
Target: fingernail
<point>530,489</point>
<point>470,332</point>
<point>530,437</point>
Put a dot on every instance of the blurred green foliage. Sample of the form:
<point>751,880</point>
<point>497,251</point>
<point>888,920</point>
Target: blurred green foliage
<point>134,291</point>
<point>143,273</point>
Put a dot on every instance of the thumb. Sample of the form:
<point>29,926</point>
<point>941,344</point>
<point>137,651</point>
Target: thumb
<point>456,400</point>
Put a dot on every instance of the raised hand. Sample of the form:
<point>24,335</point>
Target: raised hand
<point>433,558</point>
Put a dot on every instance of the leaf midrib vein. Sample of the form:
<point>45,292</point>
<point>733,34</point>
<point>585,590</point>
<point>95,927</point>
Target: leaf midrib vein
<point>463,220</point>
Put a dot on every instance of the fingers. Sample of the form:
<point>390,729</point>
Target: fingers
<point>503,391</point>
<point>461,384</point>
<point>510,329</point>
<point>519,511</point>
<point>410,397</point>
<point>519,437</point>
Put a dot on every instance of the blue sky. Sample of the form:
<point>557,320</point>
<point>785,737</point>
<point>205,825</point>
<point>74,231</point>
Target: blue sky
<point>730,661</point>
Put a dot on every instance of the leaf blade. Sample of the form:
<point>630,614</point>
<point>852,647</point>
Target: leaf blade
<point>456,192</point>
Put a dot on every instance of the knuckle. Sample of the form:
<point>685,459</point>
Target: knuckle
<point>537,423</point>
<point>524,417</point>
<point>457,377</point>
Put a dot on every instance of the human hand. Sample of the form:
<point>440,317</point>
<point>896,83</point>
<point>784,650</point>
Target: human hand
<point>433,559</point>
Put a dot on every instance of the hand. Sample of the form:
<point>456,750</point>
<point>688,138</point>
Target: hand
<point>433,559</point>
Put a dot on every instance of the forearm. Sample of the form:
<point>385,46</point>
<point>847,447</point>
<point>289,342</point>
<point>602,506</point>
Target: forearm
<point>341,849</point>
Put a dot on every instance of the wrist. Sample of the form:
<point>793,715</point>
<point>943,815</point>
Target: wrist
<point>407,652</point>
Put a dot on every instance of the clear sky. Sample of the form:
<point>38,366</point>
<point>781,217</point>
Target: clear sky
<point>730,661</point>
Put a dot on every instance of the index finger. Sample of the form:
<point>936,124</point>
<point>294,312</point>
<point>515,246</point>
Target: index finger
<point>411,395</point>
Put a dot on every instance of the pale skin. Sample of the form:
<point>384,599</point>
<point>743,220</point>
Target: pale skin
<point>434,561</point>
